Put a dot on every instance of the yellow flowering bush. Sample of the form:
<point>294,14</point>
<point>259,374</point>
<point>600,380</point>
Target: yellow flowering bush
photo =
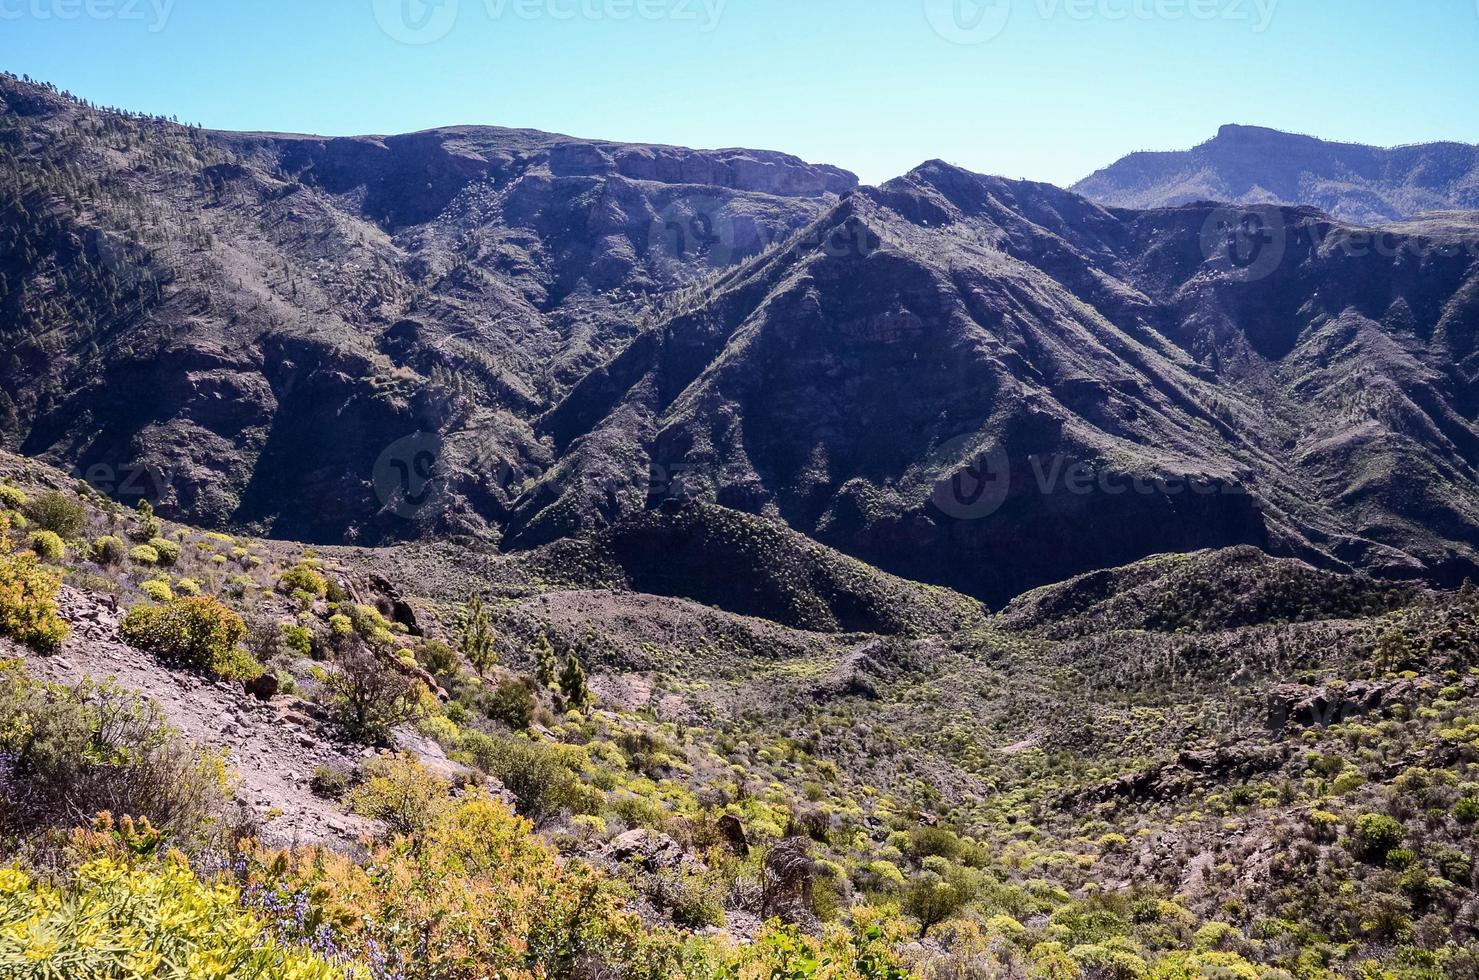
<point>156,921</point>
<point>28,608</point>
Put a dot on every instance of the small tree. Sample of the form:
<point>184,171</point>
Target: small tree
<point>369,699</point>
<point>546,664</point>
<point>573,684</point>
<point>477,637</point>
<point>148,524</point>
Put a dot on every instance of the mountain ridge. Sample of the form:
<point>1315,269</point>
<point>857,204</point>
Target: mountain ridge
<point>1258,165</point>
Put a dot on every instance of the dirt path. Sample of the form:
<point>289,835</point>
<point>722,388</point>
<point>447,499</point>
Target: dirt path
<point>272,747</point>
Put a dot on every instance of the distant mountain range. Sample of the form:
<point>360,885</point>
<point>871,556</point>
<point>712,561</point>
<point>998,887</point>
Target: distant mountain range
<point>525,339</point>
<point>1253,165</point>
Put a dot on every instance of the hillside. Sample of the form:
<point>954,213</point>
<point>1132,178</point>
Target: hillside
<point>514,339</point>
<point>1363,185</point>
<point>1196,766</point>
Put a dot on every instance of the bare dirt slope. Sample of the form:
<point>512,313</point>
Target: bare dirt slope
<point>273,748</point>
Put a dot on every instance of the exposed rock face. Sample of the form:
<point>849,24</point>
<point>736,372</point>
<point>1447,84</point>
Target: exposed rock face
<point>650,850</point>
<point>1303,706</point>
<point>1253,165</point>
<point>1222,764</point>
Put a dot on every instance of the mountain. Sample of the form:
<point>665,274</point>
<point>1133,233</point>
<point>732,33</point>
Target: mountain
<point>521,339</point>
<point>1130,388</point>
<point>1253,165</point>
<point>237,322</point>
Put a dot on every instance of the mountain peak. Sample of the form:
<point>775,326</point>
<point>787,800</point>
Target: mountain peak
<point>1255,164</point>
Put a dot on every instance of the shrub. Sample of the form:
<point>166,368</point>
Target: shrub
<point>540,778</point>
<point>149,527</point>
<point>71,750</point>
<point>157,590</point>
<point>187,586</point>
<point>403,795</point>
<point>48,546</point>
<point>167,550</point>
<point>195,633</point>
<point>303,577</point>
<point>513,704</point>
<point>13,498</point>
<point>28,608</point>
<point>144,555</point>
<point>478,644</point>
<point>330,783</point>
<point>58,513</point>
<point>298,639</point>
<point>157,920</point>
<point>436,656</point>
<point>1374,835</point>
<point>369,699</point>
<point>109,550</point>
<point>932,897</point>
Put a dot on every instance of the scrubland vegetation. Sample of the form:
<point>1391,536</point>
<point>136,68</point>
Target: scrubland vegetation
<point>1032,798</point>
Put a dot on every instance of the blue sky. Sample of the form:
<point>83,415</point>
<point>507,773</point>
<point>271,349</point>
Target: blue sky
<point>1047,89</point>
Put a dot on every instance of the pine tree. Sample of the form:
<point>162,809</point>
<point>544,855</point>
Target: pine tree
<point>573,685</point>
<point>477,637</point>
<point>546,664</point>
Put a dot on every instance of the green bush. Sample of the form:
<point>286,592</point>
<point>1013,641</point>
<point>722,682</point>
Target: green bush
<point>109,550</point>
<point>513,704</point>
<point>12,498</point>
<point>187,586</point>
<point>195,633</point>
<point>303,577</point>
<point>58,513</point>
<point>167,550</point>
<point>369,699</point>
<point>1374,835</point>
<point>144,555</point>
<point>113,919</point>
<point>435,656</point>
<point>298,639</point>
<point>157,590</point>
<point>48,546</point>
<point>88,748</point>
<point>28,608</point>
<point>540,778</point>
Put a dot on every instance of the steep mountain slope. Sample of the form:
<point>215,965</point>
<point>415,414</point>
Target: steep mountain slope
<point>249,320</point>
<point>1253,165</point>
<point>523,338</point>
<point>992,385</point>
